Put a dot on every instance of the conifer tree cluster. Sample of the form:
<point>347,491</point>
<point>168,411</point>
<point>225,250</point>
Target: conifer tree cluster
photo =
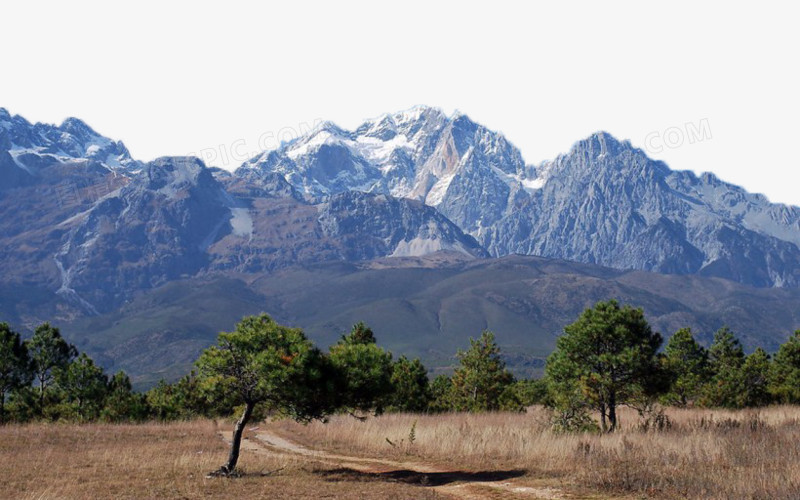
<point>608,357</point>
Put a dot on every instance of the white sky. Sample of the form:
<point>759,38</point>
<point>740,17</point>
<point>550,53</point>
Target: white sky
<point>170,78</point>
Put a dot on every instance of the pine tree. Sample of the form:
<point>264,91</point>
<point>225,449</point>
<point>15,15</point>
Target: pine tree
<point>15,365</point>
<point>410,386</point>
<point>121,403</point>
<point>481,378</point>
<point>85,386</point>
<point>726,358</point>
<point>606,358</point>
<point>264,363</point>
<point>364,372</point>
<point>784,380</point>
<point>686,362</point>
<point>49,353</point>
<point>754,380</point>
<point>441,392</point>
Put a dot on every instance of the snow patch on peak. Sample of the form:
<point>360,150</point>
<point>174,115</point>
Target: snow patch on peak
<point>314,141</point>
<point>420,246</point>
<point>378,151</point>
<point>528,184</point>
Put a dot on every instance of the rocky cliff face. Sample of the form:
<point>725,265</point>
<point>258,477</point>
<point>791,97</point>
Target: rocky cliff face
<point>155,229</point>
<point>371,226</point>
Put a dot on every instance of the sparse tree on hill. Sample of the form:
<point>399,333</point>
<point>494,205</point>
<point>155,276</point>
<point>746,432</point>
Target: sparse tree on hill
<point>686,362</point>
<point>784,382</point>
<point>15,365</point>
<point>608,357</point>
<point>266,364</point>
<point>49,353</point>
<point>364,372</point>
<point>481,378</point>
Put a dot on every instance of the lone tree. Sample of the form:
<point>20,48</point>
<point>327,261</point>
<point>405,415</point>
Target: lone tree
<point>607,357</point>
<point>49,353</point>
<point>481,379</point>
<point>264,363</point>
<point>15,366</point>
<point>364,372</point>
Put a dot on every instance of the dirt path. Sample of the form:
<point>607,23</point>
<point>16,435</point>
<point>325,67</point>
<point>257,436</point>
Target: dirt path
<point>450,483</point>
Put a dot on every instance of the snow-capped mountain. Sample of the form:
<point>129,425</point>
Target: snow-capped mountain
<point>389,223</point>
<point>603,202</point>
<point>26,149</point>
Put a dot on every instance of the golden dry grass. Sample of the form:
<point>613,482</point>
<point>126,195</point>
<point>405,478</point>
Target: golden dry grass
<point>162,461</point>
<point>705,453</point>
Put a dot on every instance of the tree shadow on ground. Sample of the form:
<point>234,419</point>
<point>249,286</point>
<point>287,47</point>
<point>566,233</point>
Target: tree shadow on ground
<point>419,478</point>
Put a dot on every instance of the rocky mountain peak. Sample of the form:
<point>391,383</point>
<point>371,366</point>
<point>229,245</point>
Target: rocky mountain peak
<point>176,173</point>
<point>27,150</point>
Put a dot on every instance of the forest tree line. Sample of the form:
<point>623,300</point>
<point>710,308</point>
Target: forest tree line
<point>608,357</point>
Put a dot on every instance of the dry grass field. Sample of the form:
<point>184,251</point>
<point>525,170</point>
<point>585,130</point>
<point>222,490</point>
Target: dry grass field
<point>163,461</point>
<point>704,454</point>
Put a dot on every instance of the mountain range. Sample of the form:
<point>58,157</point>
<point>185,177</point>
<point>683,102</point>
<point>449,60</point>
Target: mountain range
<point>431,227</point>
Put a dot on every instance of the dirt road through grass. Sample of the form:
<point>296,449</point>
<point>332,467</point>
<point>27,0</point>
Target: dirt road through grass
<point>449,482</point>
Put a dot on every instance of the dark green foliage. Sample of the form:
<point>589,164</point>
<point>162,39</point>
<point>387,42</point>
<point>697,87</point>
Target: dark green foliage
<point>686,362</point>
<point>364,372</point>
<point>441,391</point>
<point>529,392</point>
<point>15,366</point>
<point>188,398</point>
<point>122,404</point>
<point>481,378</point>
<point>360,334</point>
<point>23,405</point>
<point>49,354</point>
<point>606,358</point>
<point>164,403</point>
<point>410,386</point>
<point>726,358</point>
<point>262,362</point>
<point>784,383</point>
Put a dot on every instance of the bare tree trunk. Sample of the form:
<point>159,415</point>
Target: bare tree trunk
<point>603,426</point>
<point>236,442</point>
<point>612,413</point>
